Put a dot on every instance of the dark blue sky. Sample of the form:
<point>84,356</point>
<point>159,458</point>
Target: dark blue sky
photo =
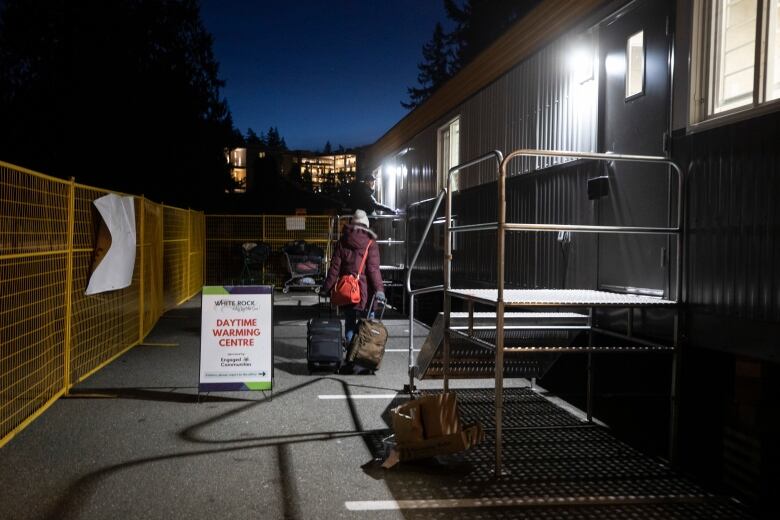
<point>320,70</point>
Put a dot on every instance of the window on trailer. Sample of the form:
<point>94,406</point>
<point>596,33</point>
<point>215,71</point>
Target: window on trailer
<point>449,152</point>
<point>736,57</point>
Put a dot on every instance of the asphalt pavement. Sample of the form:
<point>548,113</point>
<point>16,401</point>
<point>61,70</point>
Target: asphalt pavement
<point>137,440</point>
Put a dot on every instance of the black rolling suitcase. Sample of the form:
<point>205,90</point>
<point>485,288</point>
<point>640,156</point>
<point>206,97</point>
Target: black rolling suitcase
<point>324,349</point>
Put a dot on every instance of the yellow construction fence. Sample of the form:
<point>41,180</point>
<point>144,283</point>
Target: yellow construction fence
<point>227,262</point>
<point>52,336</point>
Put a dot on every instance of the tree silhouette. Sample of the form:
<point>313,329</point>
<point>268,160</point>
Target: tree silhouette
<point>328,149</point>
<point>124,95</point>
<point>274,141</point>
<point>434,69</point>
<point>478,23</point>
<point>253,139</point>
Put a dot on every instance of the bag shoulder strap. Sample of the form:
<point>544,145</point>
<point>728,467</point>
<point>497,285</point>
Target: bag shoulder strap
<point>365,255</point>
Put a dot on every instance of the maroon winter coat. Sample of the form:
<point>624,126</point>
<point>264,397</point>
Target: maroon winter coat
<point>347,257</point>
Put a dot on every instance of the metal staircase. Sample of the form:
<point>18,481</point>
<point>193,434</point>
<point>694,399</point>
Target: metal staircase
<point>474,345</point>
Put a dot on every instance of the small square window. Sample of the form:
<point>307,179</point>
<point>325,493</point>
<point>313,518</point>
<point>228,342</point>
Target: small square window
<point>635,59</point>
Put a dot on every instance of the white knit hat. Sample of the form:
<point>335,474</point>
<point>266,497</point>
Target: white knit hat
<point>360,217</point>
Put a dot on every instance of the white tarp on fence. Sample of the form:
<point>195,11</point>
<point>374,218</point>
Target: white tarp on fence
<point>115,269</point>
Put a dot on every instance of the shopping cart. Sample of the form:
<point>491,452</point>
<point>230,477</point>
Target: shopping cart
<point>304,263</point>
<point>255,257</point>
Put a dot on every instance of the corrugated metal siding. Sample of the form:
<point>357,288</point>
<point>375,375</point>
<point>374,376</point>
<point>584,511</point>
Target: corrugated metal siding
<point>534,260</point>
<point>538,104</point>
<point>733,219</point>
<point>545,23</point>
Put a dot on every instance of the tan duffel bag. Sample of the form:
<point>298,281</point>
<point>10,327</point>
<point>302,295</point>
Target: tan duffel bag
<point>368,345</point>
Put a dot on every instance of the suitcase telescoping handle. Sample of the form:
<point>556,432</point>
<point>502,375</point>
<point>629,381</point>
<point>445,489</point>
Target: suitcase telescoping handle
<point>371,307</point>
<point>324,297</point>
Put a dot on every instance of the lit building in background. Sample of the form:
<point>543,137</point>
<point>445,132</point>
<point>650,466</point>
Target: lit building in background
<point>323,170</point>
<point>325,167</point>
<point>241,161</point>
<point>236,158</point>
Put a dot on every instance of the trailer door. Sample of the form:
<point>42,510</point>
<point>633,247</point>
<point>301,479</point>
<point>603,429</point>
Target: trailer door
<point>634,105</point>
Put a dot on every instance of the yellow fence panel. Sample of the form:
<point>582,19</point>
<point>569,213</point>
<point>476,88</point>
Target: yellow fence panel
<point>151,248</point>
<point>33,263</point>
<point>225,235</point>
<point>105,324</point>
<point>51,334</point>
<point>281,229</point>
<point>176,230</point>
<point>197,245</point>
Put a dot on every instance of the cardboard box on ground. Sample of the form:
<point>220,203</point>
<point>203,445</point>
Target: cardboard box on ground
<point>430,426</point>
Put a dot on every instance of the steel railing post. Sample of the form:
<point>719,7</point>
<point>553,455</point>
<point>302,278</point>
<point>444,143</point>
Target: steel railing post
<point>141,293</point>
<point>67,343</point>
<point>500,265</point>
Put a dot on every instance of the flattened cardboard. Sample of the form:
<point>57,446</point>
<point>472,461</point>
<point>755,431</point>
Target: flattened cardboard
<point>407,424</point>
<point>448,444</point>
<point>440,415</point>
<point>430,426</point>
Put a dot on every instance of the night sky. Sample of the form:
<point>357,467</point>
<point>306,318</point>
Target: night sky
<point>320,70</point>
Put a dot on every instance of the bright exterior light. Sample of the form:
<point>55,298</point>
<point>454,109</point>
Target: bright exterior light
<point>615,64</point>
<point>581,63</point>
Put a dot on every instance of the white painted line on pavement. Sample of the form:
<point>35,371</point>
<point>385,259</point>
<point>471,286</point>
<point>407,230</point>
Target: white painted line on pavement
<point>360,396</point>
<point>464,503</point>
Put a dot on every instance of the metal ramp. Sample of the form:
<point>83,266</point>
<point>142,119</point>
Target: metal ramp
<point>455,349</point>
<point>472,344</point>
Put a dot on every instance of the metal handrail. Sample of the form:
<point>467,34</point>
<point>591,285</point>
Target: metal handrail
<point>410,268</point>
<point>491,226</point>
<point>420,202</point>
<point>498,156</point>
<point>413,261</point>
<point>502,225</point>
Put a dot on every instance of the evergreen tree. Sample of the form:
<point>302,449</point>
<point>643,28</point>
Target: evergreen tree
<point>478,23</point>
<point>308,183</point>
<point>252,138</point>
<point>434,69</point>
<point>328,149</point>
<point>274,141</point>
<point>125,95</point>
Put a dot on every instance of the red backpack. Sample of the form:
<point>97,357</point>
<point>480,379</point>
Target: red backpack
<point>347,289</point>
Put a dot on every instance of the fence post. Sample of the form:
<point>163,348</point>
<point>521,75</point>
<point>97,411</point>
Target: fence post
<point>262,233</point>
<point>189,256</point>
<point>203,253</point>
<point>141,280</point>
<point>69,283</point>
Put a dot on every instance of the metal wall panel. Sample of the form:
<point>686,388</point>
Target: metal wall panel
<point>544,24</point>
<point>733,219</point>
<point>534,260</point>
<point>538,104</point>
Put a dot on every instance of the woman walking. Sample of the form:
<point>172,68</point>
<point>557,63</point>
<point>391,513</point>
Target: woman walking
<point>356,247</point>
